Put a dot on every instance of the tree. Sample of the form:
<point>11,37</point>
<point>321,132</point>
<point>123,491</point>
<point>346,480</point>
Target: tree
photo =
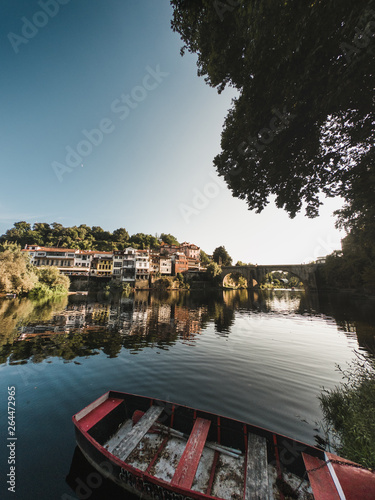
<point>18,233</point>
<point>16,272</point>
<point>240,263</point>
<point>52,278</point>
<point>222,257</point>
<point>121,235</point>
<point>303,122</point>
<point>204,258</point>
<point>141,240</point>
<point>169,239</point>
<point>213,272</point>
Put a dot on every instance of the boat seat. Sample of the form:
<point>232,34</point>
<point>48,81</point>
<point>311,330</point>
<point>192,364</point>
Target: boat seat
<point>257,487</point>
<point>133,437</point>
<point>189,461</point>
<point>99,412</point>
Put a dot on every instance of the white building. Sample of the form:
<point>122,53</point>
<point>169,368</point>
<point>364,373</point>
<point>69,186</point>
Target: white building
<point>165,266</point>
<point>142,265</point>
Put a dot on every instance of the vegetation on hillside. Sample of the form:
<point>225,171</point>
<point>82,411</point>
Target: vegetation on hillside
<point>355,267</point>
<point>81,237</point>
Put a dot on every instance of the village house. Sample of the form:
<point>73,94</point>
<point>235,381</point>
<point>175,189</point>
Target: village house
<point>129,265</point>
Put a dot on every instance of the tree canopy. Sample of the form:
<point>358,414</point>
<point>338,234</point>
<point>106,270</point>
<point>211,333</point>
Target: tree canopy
<point>303,121</point>
<point>169,239</point>
<point>81,237</point>
<point>16,272</point>
<point>221,256</point>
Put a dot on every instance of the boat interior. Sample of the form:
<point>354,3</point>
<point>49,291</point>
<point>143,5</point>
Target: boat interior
<point>196,450</point>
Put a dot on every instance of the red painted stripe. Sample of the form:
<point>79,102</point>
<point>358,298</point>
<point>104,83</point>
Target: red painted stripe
<point>188,464</point>
<point>98,413</point>
<point>218,430</point>
<point>164,442</point>
<point>321,481</point>
<point>212,474</point>
<point>244,427</point>
<point>172,416</point>
<point>278,465</point>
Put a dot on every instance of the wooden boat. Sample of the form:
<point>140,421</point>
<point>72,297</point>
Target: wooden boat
<point>161,450</point>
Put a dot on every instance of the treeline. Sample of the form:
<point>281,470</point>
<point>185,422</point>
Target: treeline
<point>81,237</point>
<point>355,267</point>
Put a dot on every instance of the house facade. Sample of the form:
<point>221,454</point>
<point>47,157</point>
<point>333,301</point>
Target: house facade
<point>129,265</point>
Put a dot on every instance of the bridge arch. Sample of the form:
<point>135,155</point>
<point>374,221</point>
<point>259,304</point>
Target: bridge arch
<point>255,274</point>
<point>264,271</point>
<point>233,278</point>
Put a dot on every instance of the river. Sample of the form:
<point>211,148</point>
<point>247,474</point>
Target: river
<point>262,357</point>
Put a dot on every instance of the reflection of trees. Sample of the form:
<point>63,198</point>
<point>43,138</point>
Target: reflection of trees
<point>148,320</point>
<point>355,315</point>
<point>15,313</point>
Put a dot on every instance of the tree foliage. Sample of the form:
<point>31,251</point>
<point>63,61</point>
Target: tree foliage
<point>77,237</point>
<point>18,275</point>
<point>52,278</point>
<point>221,256</point>
<point>169,239</point>
<point>213,272</point>
<point>348,410</point>
<point>303,121</point>
<point>355,268</point>
<point>205,260</point>
<point>16,272</point>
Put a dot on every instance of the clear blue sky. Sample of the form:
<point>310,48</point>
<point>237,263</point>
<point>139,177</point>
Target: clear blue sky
<point>114,65</point>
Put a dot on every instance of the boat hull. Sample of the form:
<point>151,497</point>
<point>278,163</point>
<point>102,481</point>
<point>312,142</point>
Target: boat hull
<point>93,432</point>
<point>130,479</point>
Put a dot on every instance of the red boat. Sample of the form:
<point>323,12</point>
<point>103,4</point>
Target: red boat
<point>161,450</point>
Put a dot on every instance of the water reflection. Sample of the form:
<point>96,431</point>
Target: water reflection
<point>85,481</point>
<point>85,326</point>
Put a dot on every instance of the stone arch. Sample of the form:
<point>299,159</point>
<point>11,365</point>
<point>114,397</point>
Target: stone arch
<point>234,276</point>
<point>246,271</point>
<point>298,271</point>
<point>254,274</point>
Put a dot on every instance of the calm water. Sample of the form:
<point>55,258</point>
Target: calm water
<point>263,358</point>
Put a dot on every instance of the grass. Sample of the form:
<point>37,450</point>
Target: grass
<point>349,411</point>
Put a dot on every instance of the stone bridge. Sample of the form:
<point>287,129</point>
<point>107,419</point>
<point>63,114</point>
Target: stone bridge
<point>255,274</point>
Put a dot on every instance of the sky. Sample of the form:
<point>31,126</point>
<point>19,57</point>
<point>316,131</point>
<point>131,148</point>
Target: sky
<point>104,123</point>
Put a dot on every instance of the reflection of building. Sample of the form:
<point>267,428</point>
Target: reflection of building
<point>71,319</point>
<point>188,321</point>
<point>164,313</point>
<point>142,319</point>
